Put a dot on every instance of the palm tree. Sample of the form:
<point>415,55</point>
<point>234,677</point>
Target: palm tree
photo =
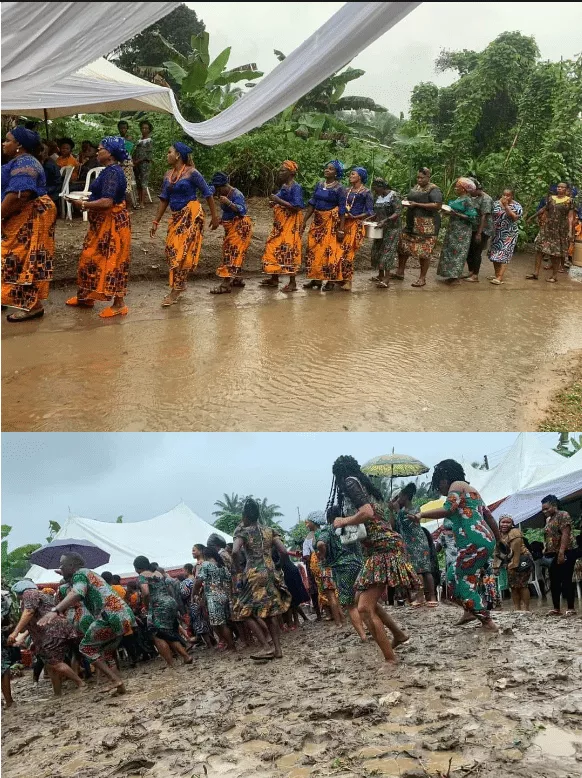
<point>229,513</point>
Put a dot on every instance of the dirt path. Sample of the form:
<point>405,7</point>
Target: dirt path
<point>490,706</point>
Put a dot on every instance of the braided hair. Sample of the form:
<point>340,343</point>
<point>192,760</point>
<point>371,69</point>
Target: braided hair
<point>251,510</point>
<point>447,470</point>
<point>211,553</point>
<point>347,467</point>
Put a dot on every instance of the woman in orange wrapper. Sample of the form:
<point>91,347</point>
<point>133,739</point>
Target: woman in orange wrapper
<point>104,261</point>
<point>282,255</point>
<point>28,228</point>
<point>238,232</point>
<point>359,205</point>
<point>327,205</point>
<point>184,239</point>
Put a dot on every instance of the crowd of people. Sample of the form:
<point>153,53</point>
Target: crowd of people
<point>361,552</point>
<point>337,214</point>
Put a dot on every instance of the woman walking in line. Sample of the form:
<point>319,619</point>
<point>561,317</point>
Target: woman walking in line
<point>556,220</point>
<point>359,205</point>
<point>238,233</point>
<point>505,215</point>
<point>462,218</point>
<point>184,239</point>
<point>387,210</point>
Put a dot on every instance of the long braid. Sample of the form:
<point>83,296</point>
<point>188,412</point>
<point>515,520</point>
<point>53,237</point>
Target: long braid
<point>346,466</point>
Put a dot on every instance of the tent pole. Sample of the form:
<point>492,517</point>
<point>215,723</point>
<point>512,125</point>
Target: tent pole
<point>46,124</point>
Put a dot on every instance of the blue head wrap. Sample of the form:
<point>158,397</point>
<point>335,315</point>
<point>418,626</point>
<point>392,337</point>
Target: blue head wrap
<point>116,147</point>
<point>219,179</point>
<point>362,172</point>
<point>317,517</point>
<point>22,586</point>
<point>339,168</point>
<point>28,139</point>
<point>182,150</point>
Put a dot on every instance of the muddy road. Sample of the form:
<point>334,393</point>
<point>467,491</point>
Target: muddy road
<point>460,702</point>
<point>470,357</point>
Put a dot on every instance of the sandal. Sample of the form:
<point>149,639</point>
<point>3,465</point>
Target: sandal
<point>81,302</point>
<point>496,281</point>
<point>531,277</point>
<point>168,301</point>
<point>554,612</point>
<point>220,289</point>
<point>109,313</point>
<point>432,604</point>
<point>551,280</point>
<point>312,285</point>
<point>14,318</point>
<point>569,614</point>
<point>418,284</point>
<point>382,285</point>
<point>396,277</point>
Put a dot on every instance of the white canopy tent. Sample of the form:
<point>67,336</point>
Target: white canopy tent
<point>354,27</point>
<point>526,463</point>
<point>565,483</point>
<point>166,539</point>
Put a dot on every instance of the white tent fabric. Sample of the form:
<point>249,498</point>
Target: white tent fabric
<point>166,539</point>
<point>43,43</point>
<point>474,476</point>
<point>527,503</point>
<point>527,463</point>
<point>330,48</point>
<point>97,88</point>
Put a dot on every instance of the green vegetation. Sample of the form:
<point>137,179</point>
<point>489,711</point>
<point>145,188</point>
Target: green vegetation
<point>229,513</point>
<point>14,563</point>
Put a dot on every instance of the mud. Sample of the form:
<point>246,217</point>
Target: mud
<point>460,702</point>
<point>466,357</point>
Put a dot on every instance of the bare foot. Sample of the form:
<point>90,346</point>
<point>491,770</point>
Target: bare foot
<point>400,640</point>
<point>118,688</point>
<point>465,619</point>
<point>490,625</point>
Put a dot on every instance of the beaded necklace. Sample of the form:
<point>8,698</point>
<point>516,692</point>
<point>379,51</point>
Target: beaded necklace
<point>354,192</point>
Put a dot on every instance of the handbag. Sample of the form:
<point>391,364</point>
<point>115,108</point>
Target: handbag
<point>525,563</point>
<point>352,534</point>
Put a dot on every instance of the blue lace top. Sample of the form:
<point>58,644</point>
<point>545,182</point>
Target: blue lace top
<point>184,190</point>
<point>360,202</point>
<point>292,194</point>
<point>111,183</point>
<point>326,199</point>
<point>237,198</point>
<point>23,174</point>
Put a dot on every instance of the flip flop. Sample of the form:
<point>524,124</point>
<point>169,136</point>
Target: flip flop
<point>262,657</point>
<point>169,302</point>
<point>496,281</point>
<point>109,313</point>
<point>221,290</point>
<point>382,285</point>
<point>396,277</point>
<point>418,284</point>
<point>551,281</point>
<point>569,614</point>
<point>417,604</point>
<point>531,277</point>
<point>76,303</point>
<point>14,318</point>
<point>432,604</point>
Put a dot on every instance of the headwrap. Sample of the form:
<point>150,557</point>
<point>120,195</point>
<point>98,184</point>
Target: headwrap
<point>293,167</point>
<point>381,183</point>
<point>182,150</point>
<point>317,517</point>
<point>339,168</point>
<point>28,139</point>
<point>505,516</point>
<point>362,172</point>
<point>424,170</point>
<point>22,586</point>
<point>219,179</point>
<point>115,145</point>
<point>468,184</point>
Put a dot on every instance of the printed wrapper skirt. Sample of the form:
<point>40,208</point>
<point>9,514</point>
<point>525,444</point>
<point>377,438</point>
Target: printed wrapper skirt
<point>385,249</point>
<point>388,564</point>
<point>183,243</point>
<point>261,593</point>
<point>354,235</point>
<point>237,238</point>
<point>323,258</point>
<point>28,247</point>
<point>104,262</point>
<point>282,255</point>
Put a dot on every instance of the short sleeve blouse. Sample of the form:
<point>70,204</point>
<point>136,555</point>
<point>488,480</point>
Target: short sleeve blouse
<point>184,190</point>
<point>292,194</point>
<point>327,199</point>
<point>111,183</point>
<point>23,174</point>
<point>228,214</point>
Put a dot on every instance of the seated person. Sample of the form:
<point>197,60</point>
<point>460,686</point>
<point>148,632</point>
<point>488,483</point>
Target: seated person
<point>66,146</point>
<point>87,161</point>
<point>52,173</point>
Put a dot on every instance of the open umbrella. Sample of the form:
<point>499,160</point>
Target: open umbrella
<point>394,466</point>
<point>49,556</point>
<point>432,505</point>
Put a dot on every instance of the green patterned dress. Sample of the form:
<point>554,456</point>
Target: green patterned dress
<point>415,541</point>
<point>385,249</point>
<point>344,562</point>
<point>386,561</point>
<point>217,587</point>
<point>162,608</point>
<point>458,238</point>
<point>475,546</point>
<point>104,619</point>
<point>260,592</point>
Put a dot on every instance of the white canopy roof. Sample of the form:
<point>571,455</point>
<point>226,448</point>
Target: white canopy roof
<point>527,463</point>
<point>96,88</point>
<point>565,482</point>
<point>166,539</point>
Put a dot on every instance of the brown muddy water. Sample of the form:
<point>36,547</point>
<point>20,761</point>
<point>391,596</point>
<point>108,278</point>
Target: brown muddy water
<point>256,360</point>
<point>461,702</point>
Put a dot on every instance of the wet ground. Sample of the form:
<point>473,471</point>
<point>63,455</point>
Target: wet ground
<point>461,702</point>
<point>470,357</point>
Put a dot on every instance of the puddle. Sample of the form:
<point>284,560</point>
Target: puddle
<point>392,767</point>
<point>557,742</point>
<point>255,746</point>
<point>288,760</point>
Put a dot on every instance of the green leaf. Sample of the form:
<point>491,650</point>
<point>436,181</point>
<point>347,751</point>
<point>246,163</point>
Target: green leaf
<point>217,66</point>
<point>234,76</point>
<point>196,77</point>
<point>350,74</point>
<point>279,54</point>
<point>176,71</point>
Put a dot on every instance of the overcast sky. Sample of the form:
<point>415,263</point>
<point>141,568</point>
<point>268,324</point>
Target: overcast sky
<point>403,56</point>
<point>142,475</point>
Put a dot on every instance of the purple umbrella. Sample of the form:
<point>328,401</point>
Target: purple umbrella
<point>49,556</point>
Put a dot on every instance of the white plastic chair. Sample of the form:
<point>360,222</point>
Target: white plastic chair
<point>66,208</point>
<point>148,194</point>
<point>93,173</point>
<point>533,581</point>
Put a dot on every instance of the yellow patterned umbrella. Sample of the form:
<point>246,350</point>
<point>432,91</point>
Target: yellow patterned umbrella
<point>394,466</point>
<point>432,505</point>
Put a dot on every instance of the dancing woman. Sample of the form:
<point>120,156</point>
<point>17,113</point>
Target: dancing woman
<point>238,232</point>
<point>282,255</point>
<point>327,206</point>
<point>386,561</point>
<point>184,240</point>
<point>475,532</point>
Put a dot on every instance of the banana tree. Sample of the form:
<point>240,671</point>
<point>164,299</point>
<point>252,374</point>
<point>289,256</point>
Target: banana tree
<point>206,87</point>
